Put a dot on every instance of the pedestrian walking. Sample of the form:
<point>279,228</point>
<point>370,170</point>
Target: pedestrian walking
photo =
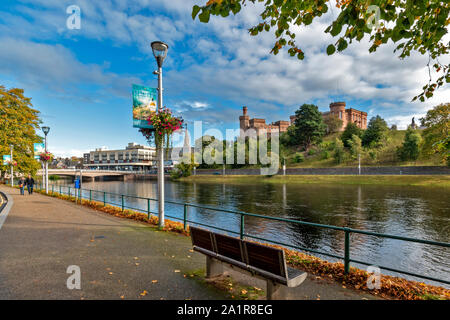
<point>30,184</point>
<point>22,185</point>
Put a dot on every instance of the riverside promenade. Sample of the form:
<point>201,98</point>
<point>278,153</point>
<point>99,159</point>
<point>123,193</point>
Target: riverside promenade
<point>118,258</point>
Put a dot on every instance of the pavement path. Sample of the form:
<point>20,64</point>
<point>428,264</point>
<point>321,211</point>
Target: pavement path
<point>118,258</point>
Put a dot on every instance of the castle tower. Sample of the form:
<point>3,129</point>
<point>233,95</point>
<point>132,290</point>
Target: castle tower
<point>244,120</point>
<point>337,109</point>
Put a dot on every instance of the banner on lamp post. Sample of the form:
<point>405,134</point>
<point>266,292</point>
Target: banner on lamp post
<point>144,104</point>
<point>6,159</point>
<point>38,149</point>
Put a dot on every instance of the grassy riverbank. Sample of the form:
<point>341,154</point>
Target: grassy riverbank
<point>419,180</point>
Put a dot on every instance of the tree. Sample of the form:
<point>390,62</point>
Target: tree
<point>376,131</point>
<point>410,149</point>
<point>416,26</point>
<point>436,134</point>
<point>309,125</point>
<point>333,123</point>
<point>18,124</point>
<point>339,152</point>
<point>350,130</point>
<point>355,146</point>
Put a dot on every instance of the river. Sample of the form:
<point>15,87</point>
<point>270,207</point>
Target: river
<point>417,212</point>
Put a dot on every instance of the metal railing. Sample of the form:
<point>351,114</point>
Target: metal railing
<point>78,193</point>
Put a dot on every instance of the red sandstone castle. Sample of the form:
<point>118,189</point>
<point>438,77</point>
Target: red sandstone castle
<point>337,109</point>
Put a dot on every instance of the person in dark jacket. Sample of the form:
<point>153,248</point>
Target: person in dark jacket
<point>22,185</point>
<point>30,184</point>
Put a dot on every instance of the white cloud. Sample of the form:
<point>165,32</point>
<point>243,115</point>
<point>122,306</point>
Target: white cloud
<point>220,60</point>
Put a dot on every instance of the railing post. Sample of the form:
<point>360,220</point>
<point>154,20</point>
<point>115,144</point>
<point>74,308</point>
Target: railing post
<point>90,195</point>
<point>242,226</point>
<point>104,199</point>
<point>148,208</point>
<point>347,252</point>
<point>122,204</point>
<point>53,187</point>
<point>60,190</point>
<point>68,192</point>
<point>185,216</point>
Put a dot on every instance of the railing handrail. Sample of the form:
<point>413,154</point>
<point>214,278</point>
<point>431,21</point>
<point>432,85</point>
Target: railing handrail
<point>243,214</point>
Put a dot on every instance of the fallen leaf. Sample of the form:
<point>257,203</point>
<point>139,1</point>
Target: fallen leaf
<point>176,270</point>
<point>154,281</point>
<point>122,297</point>
<point>144,293</point>
<point>243,291</point>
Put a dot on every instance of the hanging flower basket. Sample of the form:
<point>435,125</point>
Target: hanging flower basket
<point>46,156</point>
<point>12,163</point>
<point>164,124</point>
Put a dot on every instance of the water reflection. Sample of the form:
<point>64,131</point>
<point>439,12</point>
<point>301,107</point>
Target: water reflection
<point>407,211</point>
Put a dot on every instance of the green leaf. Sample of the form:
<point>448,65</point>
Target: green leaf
<point>331,49</point>
<point>342,44</point>
<point>336,29</point>
<point>204,16</point>
<point>307,19</point>
<point>195,11</point>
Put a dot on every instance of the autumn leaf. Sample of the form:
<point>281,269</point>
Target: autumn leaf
<point>144,293</point>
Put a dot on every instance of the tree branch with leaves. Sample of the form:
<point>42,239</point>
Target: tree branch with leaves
<point>413,25</point>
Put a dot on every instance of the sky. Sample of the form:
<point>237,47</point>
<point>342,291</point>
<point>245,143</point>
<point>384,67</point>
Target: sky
<point>80,79</point>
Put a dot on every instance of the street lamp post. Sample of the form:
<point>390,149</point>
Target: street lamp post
<point>46,130</point>
<point>160,52</point>
<point>12,165</point>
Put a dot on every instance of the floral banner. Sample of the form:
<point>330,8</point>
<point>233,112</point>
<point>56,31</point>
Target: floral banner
<point>144,105</point>
<point>38,149</point>
<point>6,160</point>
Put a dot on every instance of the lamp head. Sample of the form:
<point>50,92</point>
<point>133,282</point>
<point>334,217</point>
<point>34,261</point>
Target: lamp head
<point>159,51</point>
<point>46,130</point>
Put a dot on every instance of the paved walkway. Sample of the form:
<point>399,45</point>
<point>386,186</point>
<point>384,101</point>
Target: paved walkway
<point>118,258</point>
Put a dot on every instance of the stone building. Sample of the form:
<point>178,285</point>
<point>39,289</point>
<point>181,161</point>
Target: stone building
<point>337,109</point>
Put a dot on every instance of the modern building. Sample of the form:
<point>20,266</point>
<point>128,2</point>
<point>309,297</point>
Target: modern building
<point>134,157</point>
<point>337,109</point>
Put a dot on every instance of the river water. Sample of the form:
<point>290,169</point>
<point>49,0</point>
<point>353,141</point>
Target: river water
<point>417,212</point>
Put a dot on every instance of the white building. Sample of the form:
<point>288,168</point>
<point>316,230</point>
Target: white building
<point>134,157</point>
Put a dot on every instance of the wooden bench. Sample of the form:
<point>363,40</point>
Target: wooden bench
<point>258,260</point>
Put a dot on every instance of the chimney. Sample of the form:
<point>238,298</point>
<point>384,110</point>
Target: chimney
<point>244,109</point>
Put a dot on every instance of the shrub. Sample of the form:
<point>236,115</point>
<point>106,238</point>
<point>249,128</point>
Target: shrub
<point>299,157</point>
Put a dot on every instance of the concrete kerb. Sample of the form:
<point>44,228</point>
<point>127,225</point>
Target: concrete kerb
<point>4,210</point>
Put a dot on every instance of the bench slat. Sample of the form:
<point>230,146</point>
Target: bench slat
<point>202,238</point>
<point>265,258</point>
<point>229,247</point>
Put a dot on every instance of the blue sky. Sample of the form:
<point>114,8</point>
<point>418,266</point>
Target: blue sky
<point>81,80</point>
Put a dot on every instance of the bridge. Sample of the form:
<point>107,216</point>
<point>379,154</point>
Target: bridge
<point>91,175</point>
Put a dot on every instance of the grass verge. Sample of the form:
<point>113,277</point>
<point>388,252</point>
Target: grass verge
<point>422,180</point>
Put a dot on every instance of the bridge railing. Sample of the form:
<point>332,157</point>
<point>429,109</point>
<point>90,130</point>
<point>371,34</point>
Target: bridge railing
<point>145,207</point>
